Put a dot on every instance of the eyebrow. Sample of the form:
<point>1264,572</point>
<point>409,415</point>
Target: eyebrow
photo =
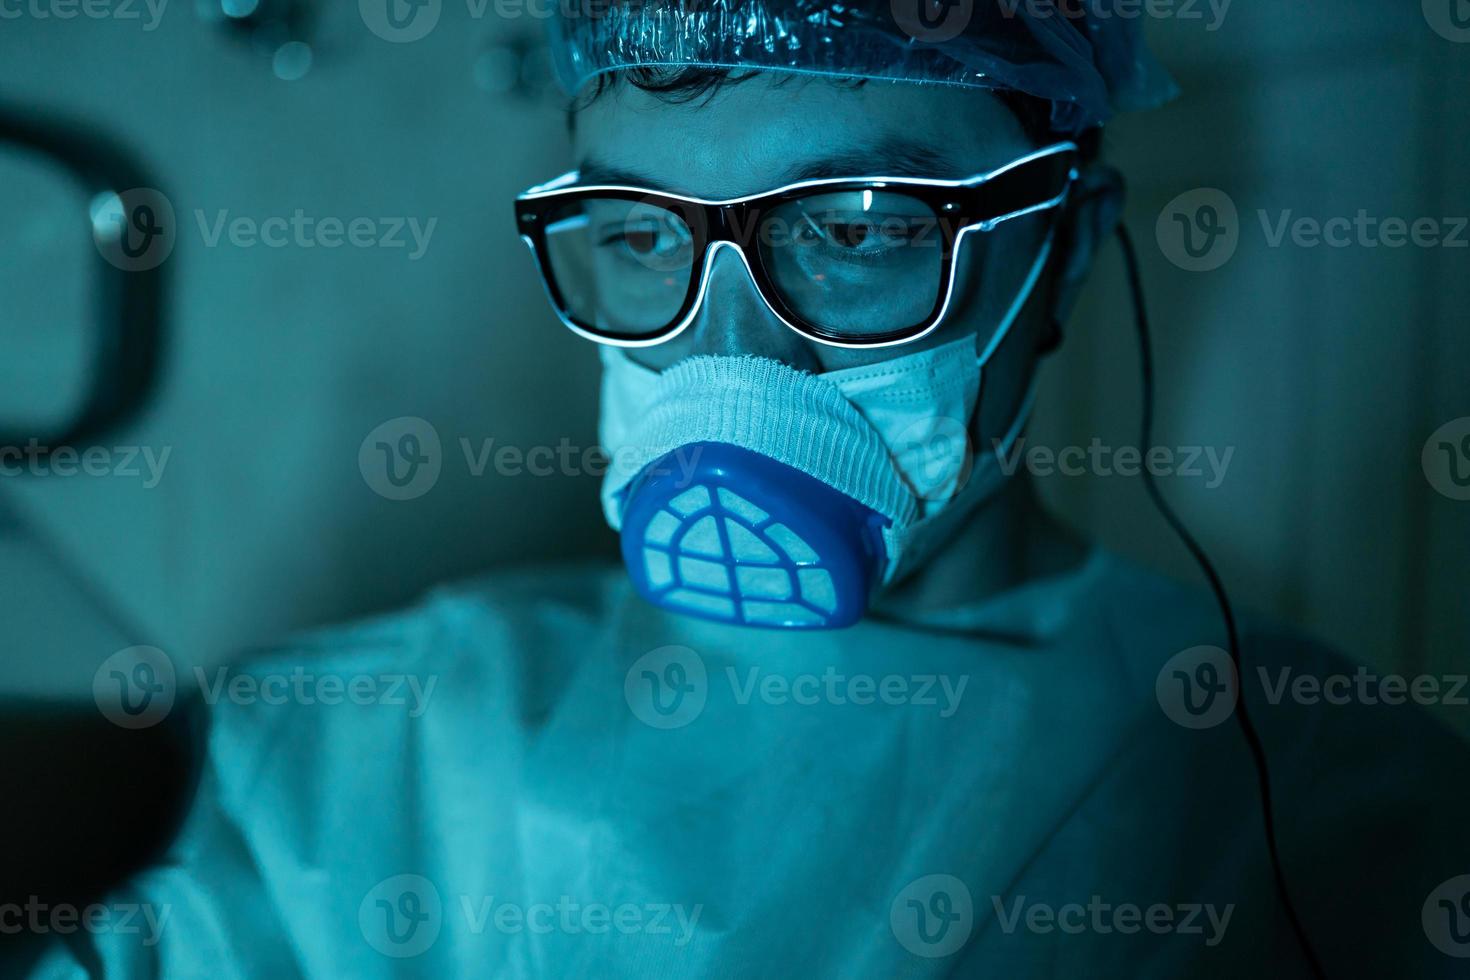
<point>890,156</point>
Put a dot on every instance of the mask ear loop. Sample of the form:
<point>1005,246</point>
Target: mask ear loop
<point>1019,303</point>
<point>1023,414</point>
<point>977,483</point>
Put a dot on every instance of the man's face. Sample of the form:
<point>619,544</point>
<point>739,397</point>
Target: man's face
<point>760,134</point>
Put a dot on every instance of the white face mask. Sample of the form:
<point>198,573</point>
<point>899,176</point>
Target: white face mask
<point>892,436</point>
<point>917,407</point>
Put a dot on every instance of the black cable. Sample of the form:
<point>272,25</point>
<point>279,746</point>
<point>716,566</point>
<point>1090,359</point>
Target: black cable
<point>1258,751</point>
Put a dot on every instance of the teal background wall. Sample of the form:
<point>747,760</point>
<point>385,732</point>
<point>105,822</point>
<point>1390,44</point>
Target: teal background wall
<point>282,360</point>
<point>1327,368</point>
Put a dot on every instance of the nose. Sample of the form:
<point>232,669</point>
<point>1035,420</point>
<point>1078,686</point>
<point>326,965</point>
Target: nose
<point>734,320</point>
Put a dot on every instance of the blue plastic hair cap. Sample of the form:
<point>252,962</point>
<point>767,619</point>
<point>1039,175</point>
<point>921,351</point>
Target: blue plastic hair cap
<point>731,535</point>
<point>1087,61</point>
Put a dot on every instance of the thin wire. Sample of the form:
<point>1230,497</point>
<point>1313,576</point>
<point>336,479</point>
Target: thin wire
<point>1258,751</point>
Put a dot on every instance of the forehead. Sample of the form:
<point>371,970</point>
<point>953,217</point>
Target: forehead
<point>771,130</point>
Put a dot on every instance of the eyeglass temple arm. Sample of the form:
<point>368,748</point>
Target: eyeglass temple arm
<point>975,186</point>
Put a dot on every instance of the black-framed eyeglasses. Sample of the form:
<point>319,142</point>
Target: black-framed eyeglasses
<point>850,262</point>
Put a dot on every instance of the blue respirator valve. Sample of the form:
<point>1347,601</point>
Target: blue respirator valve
<point>723,533</point>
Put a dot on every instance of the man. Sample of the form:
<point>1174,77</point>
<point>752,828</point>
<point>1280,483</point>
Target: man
<point>824,257</point>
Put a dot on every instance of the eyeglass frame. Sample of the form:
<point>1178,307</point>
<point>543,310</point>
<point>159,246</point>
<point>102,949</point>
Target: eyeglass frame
<point>962,197</point>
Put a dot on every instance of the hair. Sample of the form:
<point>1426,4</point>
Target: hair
<point>691,83</point>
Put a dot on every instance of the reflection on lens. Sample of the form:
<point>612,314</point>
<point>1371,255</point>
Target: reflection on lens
<point>857,263</point>
<point>622,267</point>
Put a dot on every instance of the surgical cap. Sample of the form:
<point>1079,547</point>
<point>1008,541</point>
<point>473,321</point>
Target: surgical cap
<point>1085,57</point>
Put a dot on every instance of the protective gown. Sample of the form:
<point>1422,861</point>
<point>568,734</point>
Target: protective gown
<point>594,787</point>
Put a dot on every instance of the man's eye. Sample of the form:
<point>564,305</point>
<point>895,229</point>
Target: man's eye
<point>638,241</point>
<point>641,240</point>
<point>644,239</point>
<point>849,234</point>
<point>864,235</point>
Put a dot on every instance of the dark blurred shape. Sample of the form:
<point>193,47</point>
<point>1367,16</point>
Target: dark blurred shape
<point>101,802</point>
<point>128,285</point>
